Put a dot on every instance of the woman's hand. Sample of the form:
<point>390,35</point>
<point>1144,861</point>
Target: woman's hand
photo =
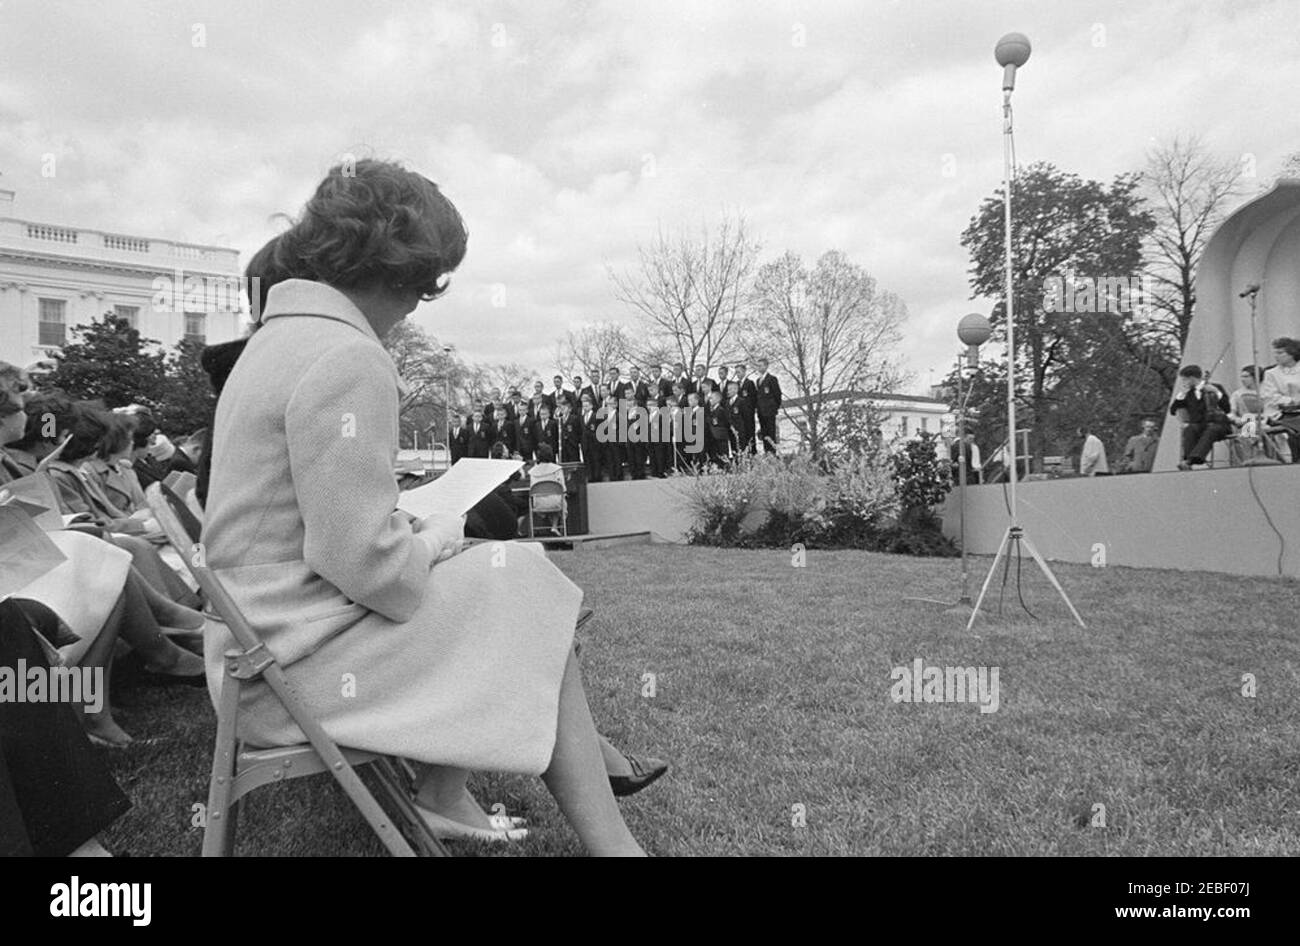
<point>445,535</point>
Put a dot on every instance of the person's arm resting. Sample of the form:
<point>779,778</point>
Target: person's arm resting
<point>341,426</point>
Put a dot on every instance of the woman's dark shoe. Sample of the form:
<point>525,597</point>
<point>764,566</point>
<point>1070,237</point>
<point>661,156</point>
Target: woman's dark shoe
<point>644,771</point>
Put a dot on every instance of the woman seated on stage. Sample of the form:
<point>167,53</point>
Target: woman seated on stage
<point>456,663</point>
<point>1280,390</point>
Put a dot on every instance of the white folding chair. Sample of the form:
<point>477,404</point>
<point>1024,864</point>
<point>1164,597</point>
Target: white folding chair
<point>238,769</point>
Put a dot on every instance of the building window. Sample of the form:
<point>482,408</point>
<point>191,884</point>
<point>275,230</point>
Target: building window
<point>195,330</point>
<point>53,329</point>
<point>902,426</point>
<point>923,420</point>
<point>129,313</point>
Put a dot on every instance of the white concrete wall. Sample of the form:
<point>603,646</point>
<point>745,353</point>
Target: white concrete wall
<point>1199,521</point>
<point>638,505</point>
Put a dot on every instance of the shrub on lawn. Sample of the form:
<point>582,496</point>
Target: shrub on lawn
<point>852,502</point>
<point>797,498</point>
<point>719,500</point>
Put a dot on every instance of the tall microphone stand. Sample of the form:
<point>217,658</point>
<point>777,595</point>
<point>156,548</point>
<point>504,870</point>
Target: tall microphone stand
<point>1014,538</point>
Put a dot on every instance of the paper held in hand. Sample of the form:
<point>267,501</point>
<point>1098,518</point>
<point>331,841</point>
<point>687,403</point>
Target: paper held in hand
<point>459,489</point>
<point>26,553</point>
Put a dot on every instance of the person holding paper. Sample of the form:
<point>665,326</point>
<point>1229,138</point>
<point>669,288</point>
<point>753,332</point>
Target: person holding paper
<point>459,662</point>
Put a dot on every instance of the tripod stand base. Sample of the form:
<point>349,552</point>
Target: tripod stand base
<point>1015,535</point>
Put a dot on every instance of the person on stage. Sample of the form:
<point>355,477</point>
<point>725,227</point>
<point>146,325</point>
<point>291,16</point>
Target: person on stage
<point>767,403</point>
<point>1204,413</point>
<point>1280,390</point>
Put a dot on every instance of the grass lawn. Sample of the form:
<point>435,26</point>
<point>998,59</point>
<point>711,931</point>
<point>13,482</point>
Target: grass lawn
<point>772,690</point>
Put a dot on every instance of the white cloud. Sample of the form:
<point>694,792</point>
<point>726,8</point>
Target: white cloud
<point>828,125</point>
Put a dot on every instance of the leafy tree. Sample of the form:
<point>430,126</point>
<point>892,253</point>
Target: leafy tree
<point>1064,228</point>
<point>188,403</point>
<point>920,480</point>
<point>108,360</point>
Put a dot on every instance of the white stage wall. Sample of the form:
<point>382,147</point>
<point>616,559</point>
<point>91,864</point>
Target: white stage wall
<point>1200,521</point>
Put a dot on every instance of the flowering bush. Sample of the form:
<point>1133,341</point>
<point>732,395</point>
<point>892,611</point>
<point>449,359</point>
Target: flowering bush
<point>719,500</point>
<point>853,502</point>
<point>796,495</point>
<point>862,486</point>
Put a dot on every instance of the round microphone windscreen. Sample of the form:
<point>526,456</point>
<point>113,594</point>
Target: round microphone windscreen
<point>1012,50</point>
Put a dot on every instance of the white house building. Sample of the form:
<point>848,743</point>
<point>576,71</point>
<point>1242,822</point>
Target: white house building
<point>53,278</point>
<point>903,417</point>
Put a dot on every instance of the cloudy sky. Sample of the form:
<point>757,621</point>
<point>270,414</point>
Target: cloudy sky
<point>569,132</point>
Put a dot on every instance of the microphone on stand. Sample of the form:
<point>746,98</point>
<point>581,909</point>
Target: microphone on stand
<point>1249,290</point>
<point>1011,52</point>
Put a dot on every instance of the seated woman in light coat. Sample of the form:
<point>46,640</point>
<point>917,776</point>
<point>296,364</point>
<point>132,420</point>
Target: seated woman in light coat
<point>398,641</point>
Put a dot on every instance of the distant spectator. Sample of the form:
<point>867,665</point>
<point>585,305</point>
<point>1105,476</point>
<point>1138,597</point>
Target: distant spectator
<point>1140,451</point>
<point>1092,461</point>
<point>974,463</point>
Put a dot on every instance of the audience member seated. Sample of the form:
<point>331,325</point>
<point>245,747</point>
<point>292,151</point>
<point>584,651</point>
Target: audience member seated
<point>97,596</point>
<point>464,678</point>
<point>56,793</point>
<point>546,470</point>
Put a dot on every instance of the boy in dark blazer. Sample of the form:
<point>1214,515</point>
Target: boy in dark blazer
<point>589,419</point>
<point>740,412</point>
<point>570,434</point>
<point>749,391</point>
<point>768,402</point>
<point>660,446</point>
<point>717,430</point>
<point>579,389</point>
<point>479,444</point>
<point>545,430</point>
<point>458,438</point>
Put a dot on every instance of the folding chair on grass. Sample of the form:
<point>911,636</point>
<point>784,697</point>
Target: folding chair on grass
<point>546,497</point>
<point>238,769</point>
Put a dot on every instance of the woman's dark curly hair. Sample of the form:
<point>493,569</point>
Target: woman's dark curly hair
<point>1289,345</point>
<point>375,224</point>
<point>51,416</point>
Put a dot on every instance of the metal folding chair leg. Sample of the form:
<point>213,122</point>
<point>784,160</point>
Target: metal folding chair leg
<point>394,784</point>
<point>219,831</point>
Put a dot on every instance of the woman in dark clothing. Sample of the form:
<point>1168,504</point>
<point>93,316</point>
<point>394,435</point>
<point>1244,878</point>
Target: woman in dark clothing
<point>55,792</point>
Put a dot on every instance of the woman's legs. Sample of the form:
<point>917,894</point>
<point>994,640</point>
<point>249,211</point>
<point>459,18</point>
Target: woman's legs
<point>444,790</point>
<point>577,778</point>
<point>99,655</point>
<point>154,570</point>
<point>139,628</point>
<point>166,611</point>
